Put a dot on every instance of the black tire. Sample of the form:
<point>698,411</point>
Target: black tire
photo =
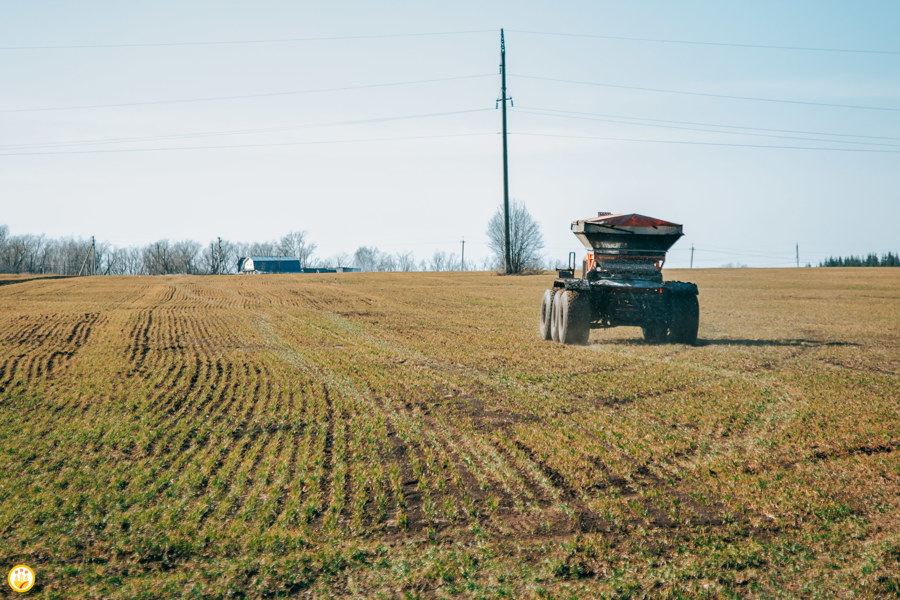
<point>574,318</point>
<point>546,315</point>
<point>655,333</point>
<point>554,316</point>
<point>685,319</point>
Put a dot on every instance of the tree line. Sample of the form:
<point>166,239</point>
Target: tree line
<point>68,256</point>
<point>872,260</point>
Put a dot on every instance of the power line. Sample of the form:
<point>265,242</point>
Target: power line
<point>246,96</point>
<point>694,143</point>
<point>707,95</point>
<point>685,128</point>
<point>631,118</point>
<point>194,135</point>
<point>707,43</point>
<point>246,42</point>
<point>260,145</point>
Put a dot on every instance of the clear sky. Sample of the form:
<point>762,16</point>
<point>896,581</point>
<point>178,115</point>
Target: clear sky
<point>374,123</point>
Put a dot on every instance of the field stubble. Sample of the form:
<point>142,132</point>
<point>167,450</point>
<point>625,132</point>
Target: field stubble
<point>409,434</point>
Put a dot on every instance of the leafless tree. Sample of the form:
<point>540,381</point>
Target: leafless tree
<point>441,261</point>
<point>219,257</point>
<point>438,261</point>
<point>296,244</point>
<point>156,258</point>
<point>406,261</point>
<point>261,249</point>
<point>525,238</point>
<point>185,257</point>
<point>341,259</point>
<point>366,258</point>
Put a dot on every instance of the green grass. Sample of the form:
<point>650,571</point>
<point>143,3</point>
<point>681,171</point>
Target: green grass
<point>409,435</point>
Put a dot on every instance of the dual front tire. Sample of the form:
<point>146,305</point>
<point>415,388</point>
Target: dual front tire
<point>565,317</point>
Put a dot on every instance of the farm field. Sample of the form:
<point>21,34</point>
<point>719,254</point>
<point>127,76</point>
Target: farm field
<point>409,435</point>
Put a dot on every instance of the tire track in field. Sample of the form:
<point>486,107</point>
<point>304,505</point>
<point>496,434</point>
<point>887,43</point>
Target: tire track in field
<point>41,350</point>
<point>468,489</point>
<point>326,481</point>
<point>584,519</point>
<point>331,381</point>
<point>294,440</point>
<point>643,483</point>
<point>411,497</point>
<point>642,477</point>
<point>407,499</point>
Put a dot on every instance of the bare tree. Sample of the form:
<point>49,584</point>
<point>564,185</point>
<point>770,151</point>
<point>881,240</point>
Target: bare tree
<point>156,258</point>
<point>341,259</point>
<point>218,258</point>
<point>261,249</point>
<point>296,244</point>
<point>386,262</point>
<point>490,263</point>
<point>366,258</point>
<point>438,261</point>
<point>525,238</point>
<point>406,261</point>
<point>185,257</point>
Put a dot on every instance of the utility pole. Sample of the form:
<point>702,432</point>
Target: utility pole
<point>462,261</point>
<point>692,256</point>
<point>797,250</point>
<point>93,256</point>
<point>89,255</point>
<point>507,255</point>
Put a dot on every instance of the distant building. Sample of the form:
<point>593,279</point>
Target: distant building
<point>283,264</point>
<point>269,264</point>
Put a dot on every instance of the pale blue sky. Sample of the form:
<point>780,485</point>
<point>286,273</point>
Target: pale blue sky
<point>144,130</point>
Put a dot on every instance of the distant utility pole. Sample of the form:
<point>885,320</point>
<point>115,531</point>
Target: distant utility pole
<point>462,261</point>
<point>692,256</point>
<point>90,255</point>
<point>797,250</point>
<point>507,254</point>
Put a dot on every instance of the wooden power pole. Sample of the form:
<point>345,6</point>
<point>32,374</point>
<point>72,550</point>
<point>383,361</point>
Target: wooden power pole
<point>462,261</point>
<point>507,254</point>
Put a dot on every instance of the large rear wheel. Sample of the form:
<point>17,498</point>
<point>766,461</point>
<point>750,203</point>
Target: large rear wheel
<point>574,318</point>
<point>546,315</point>
<point>685,319</point>
<point>655,333</point>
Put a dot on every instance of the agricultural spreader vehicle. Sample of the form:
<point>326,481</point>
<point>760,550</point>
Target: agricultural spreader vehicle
<point>621,284</point>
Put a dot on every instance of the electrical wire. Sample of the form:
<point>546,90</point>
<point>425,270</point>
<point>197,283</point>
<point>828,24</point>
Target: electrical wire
<point>700,123</point>
<point>246,42</point>
<point>706,43</point>
<point>681,125</point>
<point>695,143</point>
<point>247,96</point>
<point>100,141</point>
<point>684,128</point>
<point>706,95</point>
<point>260,145</point>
